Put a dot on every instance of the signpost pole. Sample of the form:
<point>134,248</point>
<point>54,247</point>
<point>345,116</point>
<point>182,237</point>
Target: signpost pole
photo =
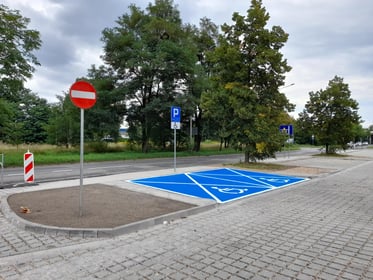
<point>175,124</point>
<point>2,169</point>
<point>83,96</point>
<point>288,140</point>
<point>175,148</point>
<point>81,161</point>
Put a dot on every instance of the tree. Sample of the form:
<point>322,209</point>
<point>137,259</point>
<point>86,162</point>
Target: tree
<point>219,113</point>
<point>249,68</point>
<point>35,113</point>
<point>331,114</point>
<point>17,60</point>
<point>205,38</point>
<point>6,115</point>
<point>26,121</point>
<point>153,59</point>
<point>64,125</point>
<point>106,116</point>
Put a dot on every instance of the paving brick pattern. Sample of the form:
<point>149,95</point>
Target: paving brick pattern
<point>320,229</point>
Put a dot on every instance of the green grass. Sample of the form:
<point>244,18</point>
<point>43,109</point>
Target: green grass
<point>47,154</point>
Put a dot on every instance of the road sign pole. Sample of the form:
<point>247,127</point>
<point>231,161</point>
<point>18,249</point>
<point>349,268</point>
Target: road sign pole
<point>82,95</point>
<point>175,148</point>
<point>175,124</point>
<point>81,161</point>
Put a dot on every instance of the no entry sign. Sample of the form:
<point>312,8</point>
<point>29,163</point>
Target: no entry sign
<point>83,94</point>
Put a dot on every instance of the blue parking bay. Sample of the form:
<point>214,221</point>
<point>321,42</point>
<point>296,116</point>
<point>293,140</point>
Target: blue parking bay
<point>221,185</point>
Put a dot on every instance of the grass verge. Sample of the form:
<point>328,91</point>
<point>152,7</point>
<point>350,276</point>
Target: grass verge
<point>46,154</point>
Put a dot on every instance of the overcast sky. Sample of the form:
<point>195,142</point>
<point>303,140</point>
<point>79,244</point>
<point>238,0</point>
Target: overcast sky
<point>326,38</point>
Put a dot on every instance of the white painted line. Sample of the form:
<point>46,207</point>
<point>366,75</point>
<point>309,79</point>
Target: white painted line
<point>13,174</point>
<point>83,94</point>
<point>108,167</point>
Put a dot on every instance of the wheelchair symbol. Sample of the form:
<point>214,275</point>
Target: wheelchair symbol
<point>230,190</point>
<point>275,180</point>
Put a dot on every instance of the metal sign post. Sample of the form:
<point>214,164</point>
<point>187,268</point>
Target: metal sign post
<point>2,169</point>
<point>83,96</point>
<point>81,162</point>
<point>175,148</point>
<point>175,124</point>
<point>288,129</point>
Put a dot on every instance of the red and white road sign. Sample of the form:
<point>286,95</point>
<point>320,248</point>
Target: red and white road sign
<point>83,94</point>
<point>28,163</point>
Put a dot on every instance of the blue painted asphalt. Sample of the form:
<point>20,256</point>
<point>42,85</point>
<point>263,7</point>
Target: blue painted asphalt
<point>222,185</point>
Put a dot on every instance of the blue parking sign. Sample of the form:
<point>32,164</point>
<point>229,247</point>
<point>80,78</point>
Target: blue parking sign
<point>287,129</point>
<point>175,114</point>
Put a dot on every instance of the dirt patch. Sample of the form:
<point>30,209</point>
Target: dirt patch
<point>305,171</point>
<point>103,206</point>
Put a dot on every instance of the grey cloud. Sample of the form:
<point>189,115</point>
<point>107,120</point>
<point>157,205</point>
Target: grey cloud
<point>325,38</point>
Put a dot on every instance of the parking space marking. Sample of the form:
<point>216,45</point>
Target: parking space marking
<point>222,185</point>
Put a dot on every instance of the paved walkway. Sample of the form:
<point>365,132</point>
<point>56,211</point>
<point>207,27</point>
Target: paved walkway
<point>320,229</point>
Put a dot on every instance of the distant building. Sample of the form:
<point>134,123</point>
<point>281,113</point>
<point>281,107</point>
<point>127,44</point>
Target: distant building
<point>123,132</point>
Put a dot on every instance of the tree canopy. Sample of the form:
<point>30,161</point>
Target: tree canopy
<point>331,114</point>
<point>154,60</point>
<point>17,60</point>
<point>227,81</point>
<point>248,70</point>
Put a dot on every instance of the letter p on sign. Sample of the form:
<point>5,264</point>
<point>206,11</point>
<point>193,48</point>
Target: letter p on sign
<point>175,114</point>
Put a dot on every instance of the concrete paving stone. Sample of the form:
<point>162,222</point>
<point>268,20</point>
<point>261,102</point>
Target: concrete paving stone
<point>289,273</point>
<point>244,274</point>
<point>230,269</point>
<point>306,258</point>
<point>115,268</point>
<point>266,274</point>
<point>259,277</point>
<point>235,277</point>
<point>274,268</point>
<point>354,270</point>
<point>103,274</point>
<point>253,269</point>
<point>327,276</point>
<point>221,274</point>
<point>311,271</point>
<point>349,276</point>
<point>239,264</point>
<point>311,215</point>
<point>315,266</point>
<point>179,276</point>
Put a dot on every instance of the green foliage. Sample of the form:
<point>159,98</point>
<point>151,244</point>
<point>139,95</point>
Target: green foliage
<point>46,154</point>
<point>22,114</point>
<point>26,122</point>
<point>6,115</point>
<point>248,69</point>
<point>331,115</point>
<point>64,123</point>
<point>105,118</point>
<point>154,60</point>
<point>17,61</point>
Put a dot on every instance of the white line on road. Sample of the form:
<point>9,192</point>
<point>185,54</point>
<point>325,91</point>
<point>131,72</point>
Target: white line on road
<point>62,170</point>
<point>108,167</point>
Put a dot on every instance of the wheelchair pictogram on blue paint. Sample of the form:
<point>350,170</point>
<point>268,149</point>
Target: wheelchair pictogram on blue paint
<point>222,185</point>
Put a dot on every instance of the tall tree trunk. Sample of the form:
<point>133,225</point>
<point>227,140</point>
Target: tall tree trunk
<point>198,136</point>
<point>247,156</point>
<point>144,138</point>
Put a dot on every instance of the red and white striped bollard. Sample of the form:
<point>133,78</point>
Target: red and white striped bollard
<point>28,163</point>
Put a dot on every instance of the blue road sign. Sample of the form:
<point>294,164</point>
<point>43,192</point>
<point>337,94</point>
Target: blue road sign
<point>175,114</point>
<point>286,128</point>
<point>221,185</point>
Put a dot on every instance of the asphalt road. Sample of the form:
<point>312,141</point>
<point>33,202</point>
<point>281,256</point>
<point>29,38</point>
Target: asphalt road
<point>10,177</point>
